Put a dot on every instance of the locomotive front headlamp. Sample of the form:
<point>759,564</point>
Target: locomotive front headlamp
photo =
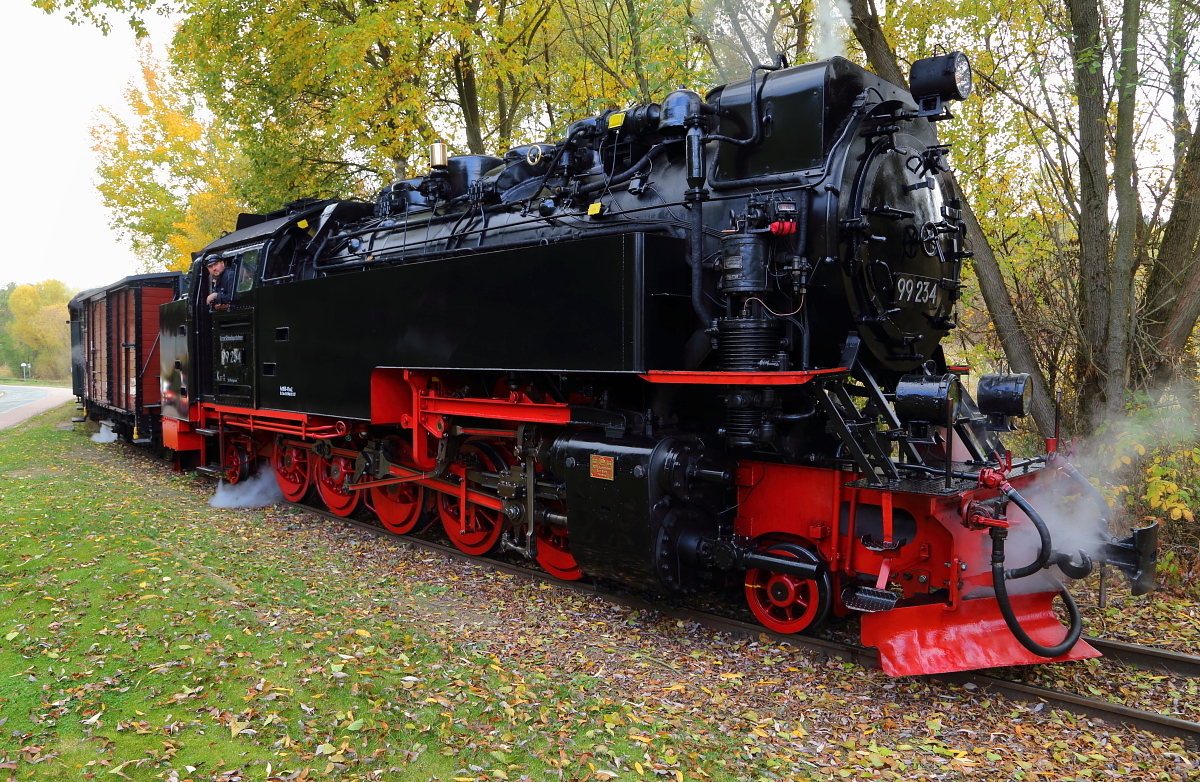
<point>929,399</point>
<point>1002,396</point>
<point>947,76</point>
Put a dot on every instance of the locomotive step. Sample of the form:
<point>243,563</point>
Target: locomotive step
<point>210,470</point>
<point>213,432</point>
<point>78,419</point>
<point>869,600</point>
<point>870,544</point>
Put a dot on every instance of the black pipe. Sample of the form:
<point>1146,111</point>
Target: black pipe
<point>696,262</point>
<point>1044,550</point>
<point>1069,568</point>
<point>787,178</point>
<point>625,175</point>
<point>971,476</point>
<point>394,255</point>
<point>793,416</point>
<point>1010,618</point>
<point>755,121</point>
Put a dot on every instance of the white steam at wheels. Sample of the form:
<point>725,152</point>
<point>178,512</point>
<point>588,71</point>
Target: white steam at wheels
<point>257,491</point>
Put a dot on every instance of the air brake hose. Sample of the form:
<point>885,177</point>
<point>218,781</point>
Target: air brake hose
<point>1044,545</point>
<point>1000,575</point>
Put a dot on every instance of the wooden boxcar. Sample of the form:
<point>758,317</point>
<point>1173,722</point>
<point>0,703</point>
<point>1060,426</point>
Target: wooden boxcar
<point>115,352</point>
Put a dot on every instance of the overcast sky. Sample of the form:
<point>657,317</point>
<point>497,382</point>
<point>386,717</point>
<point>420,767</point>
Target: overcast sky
<point>57,74</point>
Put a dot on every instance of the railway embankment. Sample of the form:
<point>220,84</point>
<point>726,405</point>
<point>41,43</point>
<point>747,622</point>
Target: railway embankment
<point>146,635</point>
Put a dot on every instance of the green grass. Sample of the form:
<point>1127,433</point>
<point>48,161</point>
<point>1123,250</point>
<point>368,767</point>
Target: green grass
<point>17,381</point>
<point>147,636</point>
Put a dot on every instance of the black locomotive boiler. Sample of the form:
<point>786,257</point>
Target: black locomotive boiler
<point>689,344</point>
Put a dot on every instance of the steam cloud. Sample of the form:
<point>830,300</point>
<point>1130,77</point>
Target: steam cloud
<point>832,18</point>
<point>257,491</point>
<point>1071,515</point>
<point>106,434</point>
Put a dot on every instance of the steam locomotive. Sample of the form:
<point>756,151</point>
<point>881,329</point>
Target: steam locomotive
<point>692,344</point>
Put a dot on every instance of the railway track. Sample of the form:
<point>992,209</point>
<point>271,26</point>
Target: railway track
<point>1148,658</point>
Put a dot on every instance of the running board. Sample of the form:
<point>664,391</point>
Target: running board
<point>934,639</point>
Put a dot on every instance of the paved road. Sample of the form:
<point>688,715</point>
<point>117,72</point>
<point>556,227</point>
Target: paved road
<point>21,402</point>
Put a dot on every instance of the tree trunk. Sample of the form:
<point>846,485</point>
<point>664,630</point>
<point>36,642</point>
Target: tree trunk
<point>733,13</point>
<point>987,270</point>
<point>1087,54</point>
<point>467,87</point>
<point>1124,247</point>
<point>1004,317</point>
<point>1170,291</point>
<point>634,25</point>
<point>869,32</point>
<point>1177,41</point>
<point>468,99</point>
<point>1179,254</point>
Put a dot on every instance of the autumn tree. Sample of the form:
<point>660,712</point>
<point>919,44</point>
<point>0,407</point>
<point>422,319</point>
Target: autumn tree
<point>38,331</point>
<point>167,173</point>
<point>1093,251</point>
<point>9,355</point>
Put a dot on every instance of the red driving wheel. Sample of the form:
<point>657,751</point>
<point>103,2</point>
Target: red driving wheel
<point>331,476</point>
<point>480,530</point>
<point>292,470</point>
<point>554,554</point>
<point>783,602</point>
<point>399,506</point>
<point>237,462</point>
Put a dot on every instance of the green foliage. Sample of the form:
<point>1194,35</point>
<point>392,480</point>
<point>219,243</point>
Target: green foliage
<point>9,355</point>
<point>1172,480</point>
<point>101,12</point>
<point>33,329</point>
<point>333,99</point>
<point>161,642</point>
<point>166,174</point>
<point>1148,466</point>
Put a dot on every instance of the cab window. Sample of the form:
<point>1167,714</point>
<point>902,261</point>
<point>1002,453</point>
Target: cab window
<point>247,267</point>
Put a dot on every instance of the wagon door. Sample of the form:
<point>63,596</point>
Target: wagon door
<point>96,342</point>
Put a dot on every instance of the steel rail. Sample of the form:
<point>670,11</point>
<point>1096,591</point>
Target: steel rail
<point>1150,658</point>
<point>1140,656</point>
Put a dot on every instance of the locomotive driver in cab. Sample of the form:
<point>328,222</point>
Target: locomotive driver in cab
<point>220,279</point>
